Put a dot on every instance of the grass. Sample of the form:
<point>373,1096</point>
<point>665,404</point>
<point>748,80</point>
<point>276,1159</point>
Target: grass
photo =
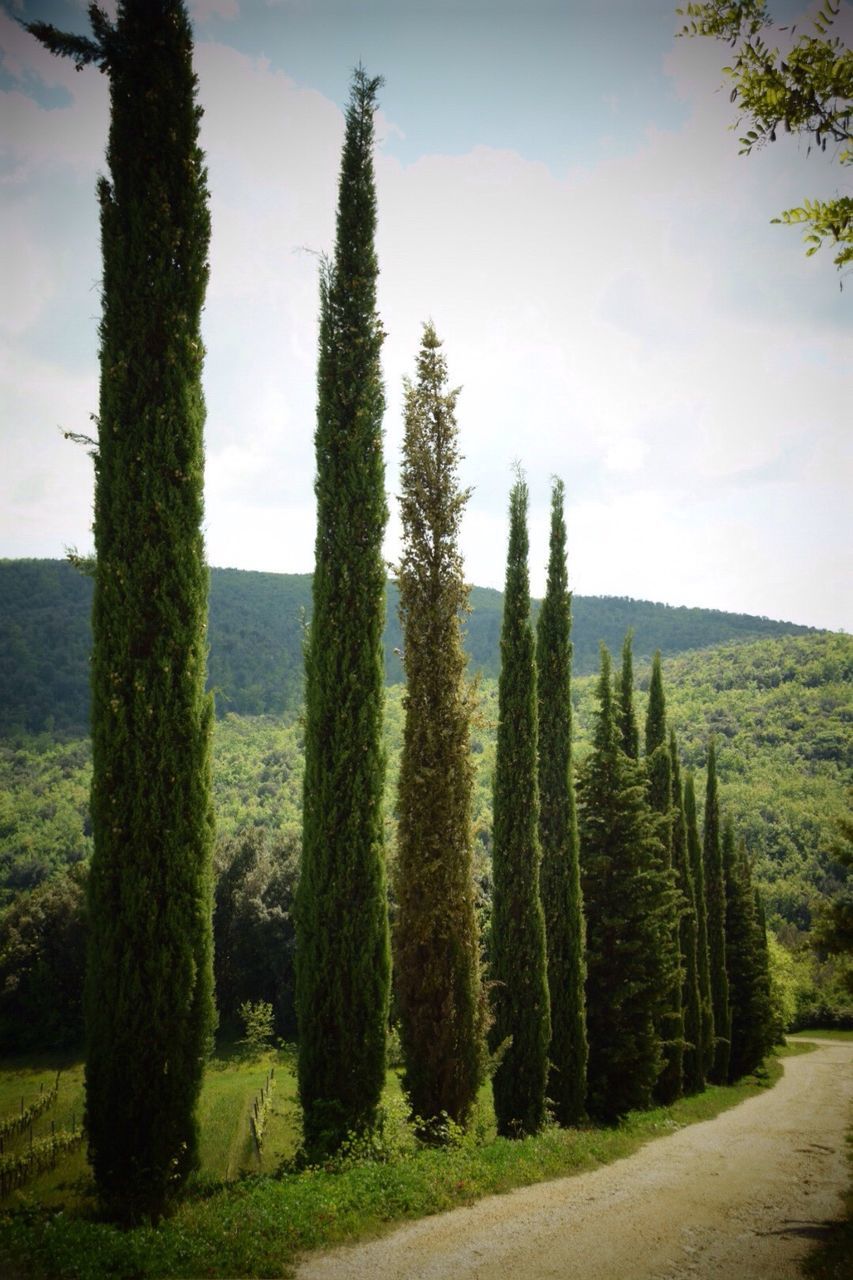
<point>257,1225</point>
<point>832,1034</point>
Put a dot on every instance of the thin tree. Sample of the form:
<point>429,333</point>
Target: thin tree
<point>521,1030</point>
<point>343,951</point>
<point>688,933</point>
<point>626,716</point>
<point>703,964</point>
<point>749,1010</point>
<point>628,903</point>
<point>560,876</point>
<point>715,901</point>
<point>436,942</point>
<point>658,765</point>
<point>149,1003</point>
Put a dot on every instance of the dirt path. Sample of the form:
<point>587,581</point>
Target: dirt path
<point>740,1197</point>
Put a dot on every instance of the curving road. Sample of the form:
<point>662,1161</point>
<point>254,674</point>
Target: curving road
<point>740,1197</point>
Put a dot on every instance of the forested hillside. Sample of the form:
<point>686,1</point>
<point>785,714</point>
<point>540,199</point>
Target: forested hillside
<point>781,708</point>
<point>256,633</point>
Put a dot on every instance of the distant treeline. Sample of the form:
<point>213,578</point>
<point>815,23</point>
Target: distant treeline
<point>257,623</point>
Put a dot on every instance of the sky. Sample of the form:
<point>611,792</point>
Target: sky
<point>560,191</point>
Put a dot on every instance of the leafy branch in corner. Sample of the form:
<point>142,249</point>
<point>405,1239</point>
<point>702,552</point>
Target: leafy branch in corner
<point>806,90</point>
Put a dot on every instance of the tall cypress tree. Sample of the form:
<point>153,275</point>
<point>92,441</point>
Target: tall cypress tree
<point>626,716</point>
<point>703,964</point>
<point>628,901</point>
<point>518,958</point>
<point>149,1005</point>
<point>715,901</point>
<point>560,877</point>
<point>694,1073</point>
<point>343,953</point>
<point>658,765</point>
<point>436,945</point>
<point>749,1011</point>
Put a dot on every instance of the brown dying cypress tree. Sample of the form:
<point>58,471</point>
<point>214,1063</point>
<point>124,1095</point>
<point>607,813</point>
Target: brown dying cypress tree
<point>436,943</point>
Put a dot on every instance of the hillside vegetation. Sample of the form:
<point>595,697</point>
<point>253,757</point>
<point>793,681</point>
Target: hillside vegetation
<point>781,709</point>
<point>257,623</point>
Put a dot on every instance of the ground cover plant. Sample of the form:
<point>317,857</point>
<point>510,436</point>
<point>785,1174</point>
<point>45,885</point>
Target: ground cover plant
<point>256,1225</point>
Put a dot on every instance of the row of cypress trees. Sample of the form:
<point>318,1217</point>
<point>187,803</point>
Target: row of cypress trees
<point>149,985</point>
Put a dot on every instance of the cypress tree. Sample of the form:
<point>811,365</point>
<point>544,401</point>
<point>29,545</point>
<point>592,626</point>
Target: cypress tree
<point>628,902</point>
<point>522,1022</point>
<point>694,1074</point>
<point>773,1034</point>
<point>629,732</point>
<point>343,952</point>
<point>743,961</point>
<point>703,965</point>
<point>715,901</point>
<point>149,1003</point>
<point>658,764</point>
<point>560,877</point>
<point>436,944</point>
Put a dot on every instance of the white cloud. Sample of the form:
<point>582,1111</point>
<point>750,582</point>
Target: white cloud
<point>636,327</point>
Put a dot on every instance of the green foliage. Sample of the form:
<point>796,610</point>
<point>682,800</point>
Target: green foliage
<point>626,716</point>
<point>343,953</point>
<point>149,1008</point>
<point>256,637</point>
<point>253,928</point>
<point>703,965</point>
<point>440,998</point>
<point>42,962</point>
<point>715,905</point>
<point>258,1027</point>
<point>806,89</point>
<point>518,956</point>
<point>560,872</point>
<point>658,766</point>
<point>688,933</point>
<point>628,898</point>
<point>748,995</point>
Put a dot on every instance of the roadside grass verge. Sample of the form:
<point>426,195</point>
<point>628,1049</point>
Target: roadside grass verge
<point>258,1225</point>
<point>833,1033</point>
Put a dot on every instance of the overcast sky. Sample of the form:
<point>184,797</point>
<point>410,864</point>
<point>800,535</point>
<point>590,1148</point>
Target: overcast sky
<point>560,191</point>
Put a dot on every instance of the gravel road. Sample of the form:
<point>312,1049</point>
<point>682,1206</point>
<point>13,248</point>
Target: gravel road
<point>741,1197</point>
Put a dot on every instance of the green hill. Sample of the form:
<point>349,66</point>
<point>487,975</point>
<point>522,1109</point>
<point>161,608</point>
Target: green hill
<point>256,632</point>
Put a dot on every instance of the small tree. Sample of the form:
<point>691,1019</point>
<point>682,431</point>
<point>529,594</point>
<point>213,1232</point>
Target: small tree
<point>343,950</point>
<point>522,1022</point>
<point>715,899</point>
<point>436,941</point>
<point>560,877</point>
<point>703,965</point>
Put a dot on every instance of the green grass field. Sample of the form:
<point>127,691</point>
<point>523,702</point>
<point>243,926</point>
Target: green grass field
<point>249,1217</point>
<point>832,1034</point>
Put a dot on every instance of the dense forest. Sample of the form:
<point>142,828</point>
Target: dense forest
<point>257,626</point>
